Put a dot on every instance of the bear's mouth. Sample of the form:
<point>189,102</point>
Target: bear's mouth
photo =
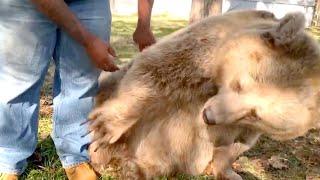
<point>272,131</point>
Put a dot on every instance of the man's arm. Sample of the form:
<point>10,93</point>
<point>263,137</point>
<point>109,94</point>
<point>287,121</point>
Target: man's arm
<point>100,52</point>
<point>143,35</point>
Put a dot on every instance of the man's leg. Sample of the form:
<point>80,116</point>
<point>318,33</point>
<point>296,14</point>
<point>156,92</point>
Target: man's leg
<point>76,82</point>
<point>26,44</point>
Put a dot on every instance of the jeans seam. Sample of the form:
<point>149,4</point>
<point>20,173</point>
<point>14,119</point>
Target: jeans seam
<point>75,164</point>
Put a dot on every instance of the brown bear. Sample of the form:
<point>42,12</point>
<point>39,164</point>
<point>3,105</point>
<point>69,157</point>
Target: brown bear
<point>205,94</point>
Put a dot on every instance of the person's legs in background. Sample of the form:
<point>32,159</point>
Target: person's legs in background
<point>76,83</point>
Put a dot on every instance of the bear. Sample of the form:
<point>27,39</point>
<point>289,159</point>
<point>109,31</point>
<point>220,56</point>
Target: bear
<point>159,115</point>
<point>100,158</point>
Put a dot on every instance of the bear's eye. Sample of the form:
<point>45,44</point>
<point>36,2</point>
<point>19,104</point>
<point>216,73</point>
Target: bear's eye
<point>236,86</point>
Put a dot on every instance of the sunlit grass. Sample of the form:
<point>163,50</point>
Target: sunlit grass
<point>124,26</point>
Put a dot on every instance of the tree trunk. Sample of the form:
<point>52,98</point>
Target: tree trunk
<point>315,25</point>
<point>113,6</point>
<point>316,14</point>
<point>204,8</point>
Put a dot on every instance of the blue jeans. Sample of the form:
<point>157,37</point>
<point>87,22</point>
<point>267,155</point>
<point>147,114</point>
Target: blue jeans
<point>28,41</point>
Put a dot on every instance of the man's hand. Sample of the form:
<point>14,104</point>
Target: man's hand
<point>143,37</point>
<point>101,54</point>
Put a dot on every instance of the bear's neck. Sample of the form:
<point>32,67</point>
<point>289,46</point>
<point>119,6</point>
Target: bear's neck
<point>180,79</point>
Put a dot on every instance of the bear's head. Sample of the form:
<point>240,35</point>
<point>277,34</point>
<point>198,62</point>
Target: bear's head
<point>269,78</point>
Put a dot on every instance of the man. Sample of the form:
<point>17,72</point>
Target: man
<point>75,33</point>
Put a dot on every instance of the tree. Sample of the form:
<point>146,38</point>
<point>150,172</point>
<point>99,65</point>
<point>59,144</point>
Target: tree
<point>204,8</point>
<point>316,14</point>
<point>315,25</point>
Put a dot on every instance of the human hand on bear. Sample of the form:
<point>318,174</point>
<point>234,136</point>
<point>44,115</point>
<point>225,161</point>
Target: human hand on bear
<point>101,54</point>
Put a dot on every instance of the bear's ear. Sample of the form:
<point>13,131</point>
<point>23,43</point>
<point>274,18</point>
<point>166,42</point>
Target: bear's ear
<point>286,31</point>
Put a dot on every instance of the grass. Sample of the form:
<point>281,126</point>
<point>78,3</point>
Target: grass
<point>301,157</point>
<point>124,26</point>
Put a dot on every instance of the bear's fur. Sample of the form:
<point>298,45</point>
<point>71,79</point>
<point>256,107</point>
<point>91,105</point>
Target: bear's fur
<point>275,79</point>
<point>152,116</point>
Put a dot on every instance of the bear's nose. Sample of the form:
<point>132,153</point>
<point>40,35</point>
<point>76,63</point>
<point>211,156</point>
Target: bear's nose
<point>208,116</point>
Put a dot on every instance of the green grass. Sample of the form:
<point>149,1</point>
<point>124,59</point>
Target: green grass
<point>302,154</point>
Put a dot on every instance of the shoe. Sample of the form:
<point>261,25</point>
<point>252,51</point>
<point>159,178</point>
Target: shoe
<point>81,172</point>
<point>4,176</point>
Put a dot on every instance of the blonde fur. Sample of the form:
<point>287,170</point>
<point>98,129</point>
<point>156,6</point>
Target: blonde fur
<point>231,70</point>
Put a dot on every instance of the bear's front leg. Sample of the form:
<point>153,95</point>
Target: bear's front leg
<point>224,156</point>
<point>119,113</point>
